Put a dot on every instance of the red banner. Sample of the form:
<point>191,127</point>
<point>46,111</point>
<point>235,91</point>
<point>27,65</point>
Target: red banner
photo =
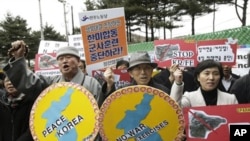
<point>213,122</point>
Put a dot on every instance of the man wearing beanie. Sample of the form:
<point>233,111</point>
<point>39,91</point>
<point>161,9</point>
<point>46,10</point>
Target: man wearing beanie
<point>31,84</point>
<point>68,59</point>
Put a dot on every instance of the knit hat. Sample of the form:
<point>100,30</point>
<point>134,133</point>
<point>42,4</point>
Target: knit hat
<point>140,58</point>
<point>69,50</point>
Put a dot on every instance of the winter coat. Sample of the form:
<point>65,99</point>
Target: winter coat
<point>241,89</point>
<point>29,83</point>
<point>195,98</point>
<point>14,121</point>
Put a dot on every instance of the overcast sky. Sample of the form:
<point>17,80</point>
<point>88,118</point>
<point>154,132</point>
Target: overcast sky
<point>52,13</point>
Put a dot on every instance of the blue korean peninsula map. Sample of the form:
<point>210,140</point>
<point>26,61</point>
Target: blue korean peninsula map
<point>133,119</point>
<point>54,112</point>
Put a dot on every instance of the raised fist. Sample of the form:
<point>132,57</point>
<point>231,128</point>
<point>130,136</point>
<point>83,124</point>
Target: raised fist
<point>18,49</point>
<point>109,77</point>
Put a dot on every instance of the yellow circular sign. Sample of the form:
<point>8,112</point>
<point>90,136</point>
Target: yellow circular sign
<point>140,113</point>
<point>66,112</point>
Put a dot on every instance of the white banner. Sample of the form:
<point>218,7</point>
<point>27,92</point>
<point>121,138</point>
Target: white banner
<point>241,68</point>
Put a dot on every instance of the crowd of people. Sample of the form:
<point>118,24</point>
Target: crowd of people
<point>209,83</point>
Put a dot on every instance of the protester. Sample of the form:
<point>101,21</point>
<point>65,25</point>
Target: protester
<point>241,87</point>
<point>122,64</point>
<point>140,70</point>
<point>228,78</point>
<point>82,66</point>
<point>15,111</point>
<point>68,59</point>
<point>25,81</point>
<point>208,75</point>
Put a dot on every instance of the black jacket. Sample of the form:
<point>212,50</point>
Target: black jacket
<point>241,89</point>
<point>188,79</point>
<point>14,122</point>
<point>233,79</point>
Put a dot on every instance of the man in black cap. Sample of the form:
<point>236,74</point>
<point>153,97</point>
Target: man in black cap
<point>140,70</point>
<point>122,64</point>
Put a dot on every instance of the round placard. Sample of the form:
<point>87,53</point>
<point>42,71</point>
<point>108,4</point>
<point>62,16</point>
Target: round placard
<point>140,113</point>
<point>64,111</point>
